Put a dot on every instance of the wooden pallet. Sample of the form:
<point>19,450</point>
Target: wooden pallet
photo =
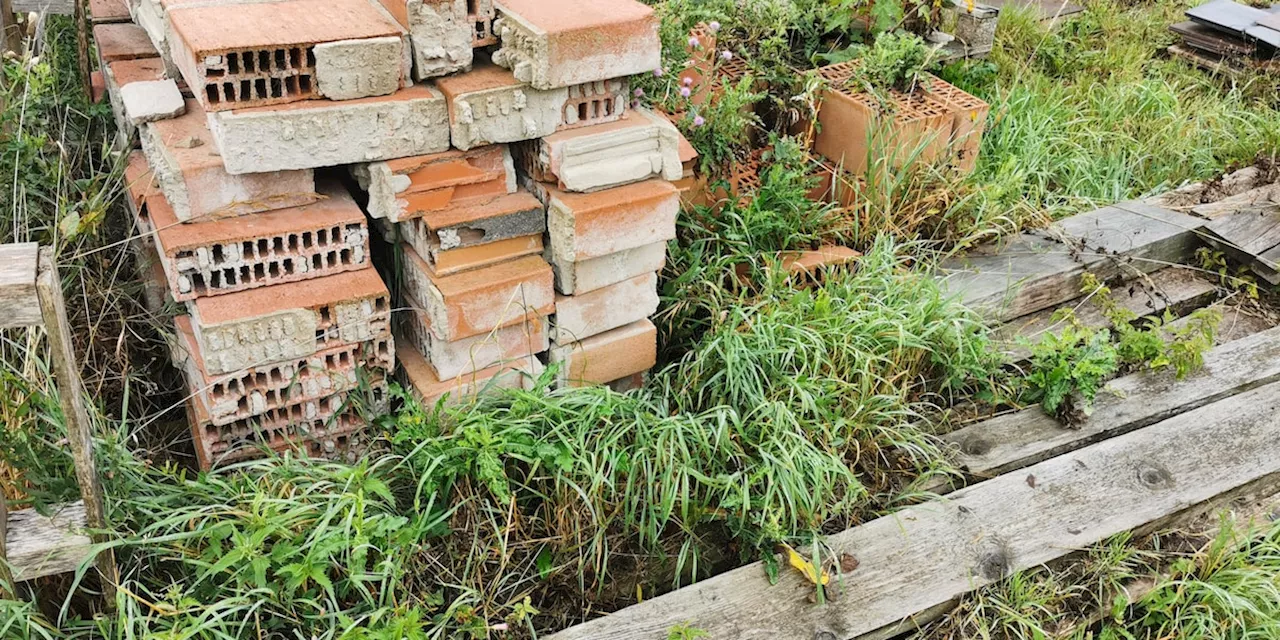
<point>1154,449</point>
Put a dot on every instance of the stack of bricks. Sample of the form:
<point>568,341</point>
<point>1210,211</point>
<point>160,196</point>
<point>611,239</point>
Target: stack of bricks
<point>524,204</point>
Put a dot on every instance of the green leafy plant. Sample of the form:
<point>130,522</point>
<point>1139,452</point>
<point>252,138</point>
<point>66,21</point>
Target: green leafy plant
<point>895,61</point>
<point>1067,370</point>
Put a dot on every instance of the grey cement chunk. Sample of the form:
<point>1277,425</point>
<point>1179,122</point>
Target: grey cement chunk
<point>152,100</point>
<point>350,69</point>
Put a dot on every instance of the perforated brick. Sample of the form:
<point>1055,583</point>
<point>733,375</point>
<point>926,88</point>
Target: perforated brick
<point>595,103</point>
<point>255,391</point>
<point>553,43</point>
<point>581,316</point>
<point>636,148</point>
<point>585,226</point>
<point>422,382</point>
<point>290,321</point>
<point>191,174</point>
<point>323,133</point>
<point>487,105</point>
<point>245,55</point>
<point>452,359</point>
<point>601,359</point>
<point>476,302</point>
<point>408,188</point>
<point>467,226</point>
<point>225,256</point>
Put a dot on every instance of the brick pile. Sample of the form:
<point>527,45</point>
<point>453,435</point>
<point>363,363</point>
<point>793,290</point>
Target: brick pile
<point>522,204</point>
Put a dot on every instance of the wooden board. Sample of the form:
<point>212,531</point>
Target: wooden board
<point>56,7</point>
<point>1250,235</point>
<point>923,557</point>
<point>1172,289</point>
<point>1255,198</point>
<point>1033,272</point>
<point>19,305</point>
<point>40,546</point>
<point>1016,440</point>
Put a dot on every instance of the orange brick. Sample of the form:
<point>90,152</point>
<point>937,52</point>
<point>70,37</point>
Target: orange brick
<point>579,317</point>
<point>447,263</point>
<point>423,383</point>
<point>591,225</point>
<point>807,262</point>
<point>559,43</point>
<point>123,42</point>
<point>604,358</point>
<point>476,302</point>
<point>488,105</point>
<point>407,188</point>
<point>106,11</point>
<point>467,226</point>
<point>452,359</point>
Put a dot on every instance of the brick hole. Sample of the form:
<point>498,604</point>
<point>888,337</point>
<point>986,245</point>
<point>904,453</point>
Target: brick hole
<point>293,242</point>
<point>277,244</point>
<point>288,266</point>
<point>277,88</point>
<point>244,274</point>
<point>249,60</point>
<point>274,270</point>
<point>197,283</point>
<point>316,261</point>
<point>331,258</point>
<point>263,245</point>
<point>215,279</point>
<point>304,84</point>
<point>322,237</point>
<point>246,90</point>
<point>306,239</point>
<point>211,92</point>
<point>282,59</point>
<point>259,88</point>
<point>218,255</point>
<point>233,63</point>
<point>295,57</point>
<point>345,257</point>
<point>229,276</point>
<point>608,107</point>
<point>325,316</point>
<point>344,359</point>
<point>582,111</point>
<point>229,91</point>
<point>380,304</point>
<point>259,272</point>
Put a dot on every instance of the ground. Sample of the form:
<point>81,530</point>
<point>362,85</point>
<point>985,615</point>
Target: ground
<point>780,413</point>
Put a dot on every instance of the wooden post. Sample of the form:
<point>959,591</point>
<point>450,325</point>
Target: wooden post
<point>6,577</point>
<point>12,31</point>
<point>82,49</point>
<point>71,393</point>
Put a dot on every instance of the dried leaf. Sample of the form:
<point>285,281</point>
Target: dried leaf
<point>810,572</point>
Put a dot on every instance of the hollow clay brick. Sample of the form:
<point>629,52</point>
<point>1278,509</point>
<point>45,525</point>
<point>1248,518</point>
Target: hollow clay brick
<point>289,321</point>
<point>604,358</point>
<point>191,174</point>
<point>217,257</point>
<point>459,357</point>
<point>595,103</point>
<point>487,105</point>
<point>429,389</point>
<point>321,133</point>
<point>256,54</point>
<point>476,302</point>
<point>579,317</point>
<point>122,42</point>
<point>441,33</point>
<point>407,188</point>
<point>573,278</point>
<point>474,226</point>
<point>558,43</point>
<point>108,11</point>
<point>447,263</point>
<point>633,149</point>
<point>592,225</point>
<point>258,390</point>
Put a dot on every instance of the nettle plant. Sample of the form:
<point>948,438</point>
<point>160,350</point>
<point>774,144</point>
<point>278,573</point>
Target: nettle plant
<point>895,61</point>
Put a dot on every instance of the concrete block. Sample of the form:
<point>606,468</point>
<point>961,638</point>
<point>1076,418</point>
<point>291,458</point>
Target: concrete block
<point>120,73</point>
<point>487,105</point>
<point>441,33</point>
<point>556,43</point>
<point>574,278</point>
<point>350,69</point>
<point>601,359</point>
<point>452,359</point>
<point>290,321</point>
<point>152,100</point>
<point>247,55</point>
<point>592,225</point>
<point>311,134</point>
<point>258,390</point>
<point>192,175</point>
<point>429,389</point>
<point>579,317</point>
<point>476,302</point>
<point>126,41</point>
<point>633,149</point>
<point>408,188</point>
<point>215,257</point>
<point>595,103</point>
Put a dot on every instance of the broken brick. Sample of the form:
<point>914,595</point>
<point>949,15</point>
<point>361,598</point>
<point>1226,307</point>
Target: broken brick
<point>289,321</point>
<point>633,149</point>
<point>574,278</point>
<point>592,225</point>
<point>476,302</point>
<point>442,34</point>
<point>465,226</point>
<point>595,103</point>
<point>321,133</point>
<point>421,380</point>
<point>487,105</point>
<point>617,354</point>
<point>809,262</point>
<point>581,316</point>
<point>552,44</point>
<point>459,357</point>
<point>256,54</point>
<point>407,188</point>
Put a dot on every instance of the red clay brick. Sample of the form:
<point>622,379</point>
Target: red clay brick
<point>407,188</point>
<point>488,105</point>
<point>422,382</point>
<point>604,358</point>
<point>579,317</point>
<point>447,263</point>
<point>559,43</point>
<point>123,42</point>
<point>808,262</point>
<point>591,225</point>
<point>476,302</point>
<point>452,359</point>
<point>108,11</point>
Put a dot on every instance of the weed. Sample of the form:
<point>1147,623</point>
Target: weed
<point>894,61</point>
<point>1069,369</point>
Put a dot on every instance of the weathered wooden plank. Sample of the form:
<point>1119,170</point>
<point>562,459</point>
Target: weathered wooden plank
<point>1033,271</point>
<point>19,306</point>
<point>927,555</point>
<point>56,7</point>
<point>1171,289</point>
<point>1019,439</point>
<point>66,369</point>
<point>40,546</point>
<point>1252,199</point>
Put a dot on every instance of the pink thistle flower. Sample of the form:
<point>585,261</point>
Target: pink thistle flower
<point>688,82</point>
<point>714,26</point>
<point>698,121</point>
<point>726,55</point>
<point>694,43</point>
<point>657,73</point>
<point>639,93</point>
<point>685,92</point>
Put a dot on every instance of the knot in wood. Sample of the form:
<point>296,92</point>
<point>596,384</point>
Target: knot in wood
<point>824,635</point>
<point>976,446</point>
<point>1154,476</point>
